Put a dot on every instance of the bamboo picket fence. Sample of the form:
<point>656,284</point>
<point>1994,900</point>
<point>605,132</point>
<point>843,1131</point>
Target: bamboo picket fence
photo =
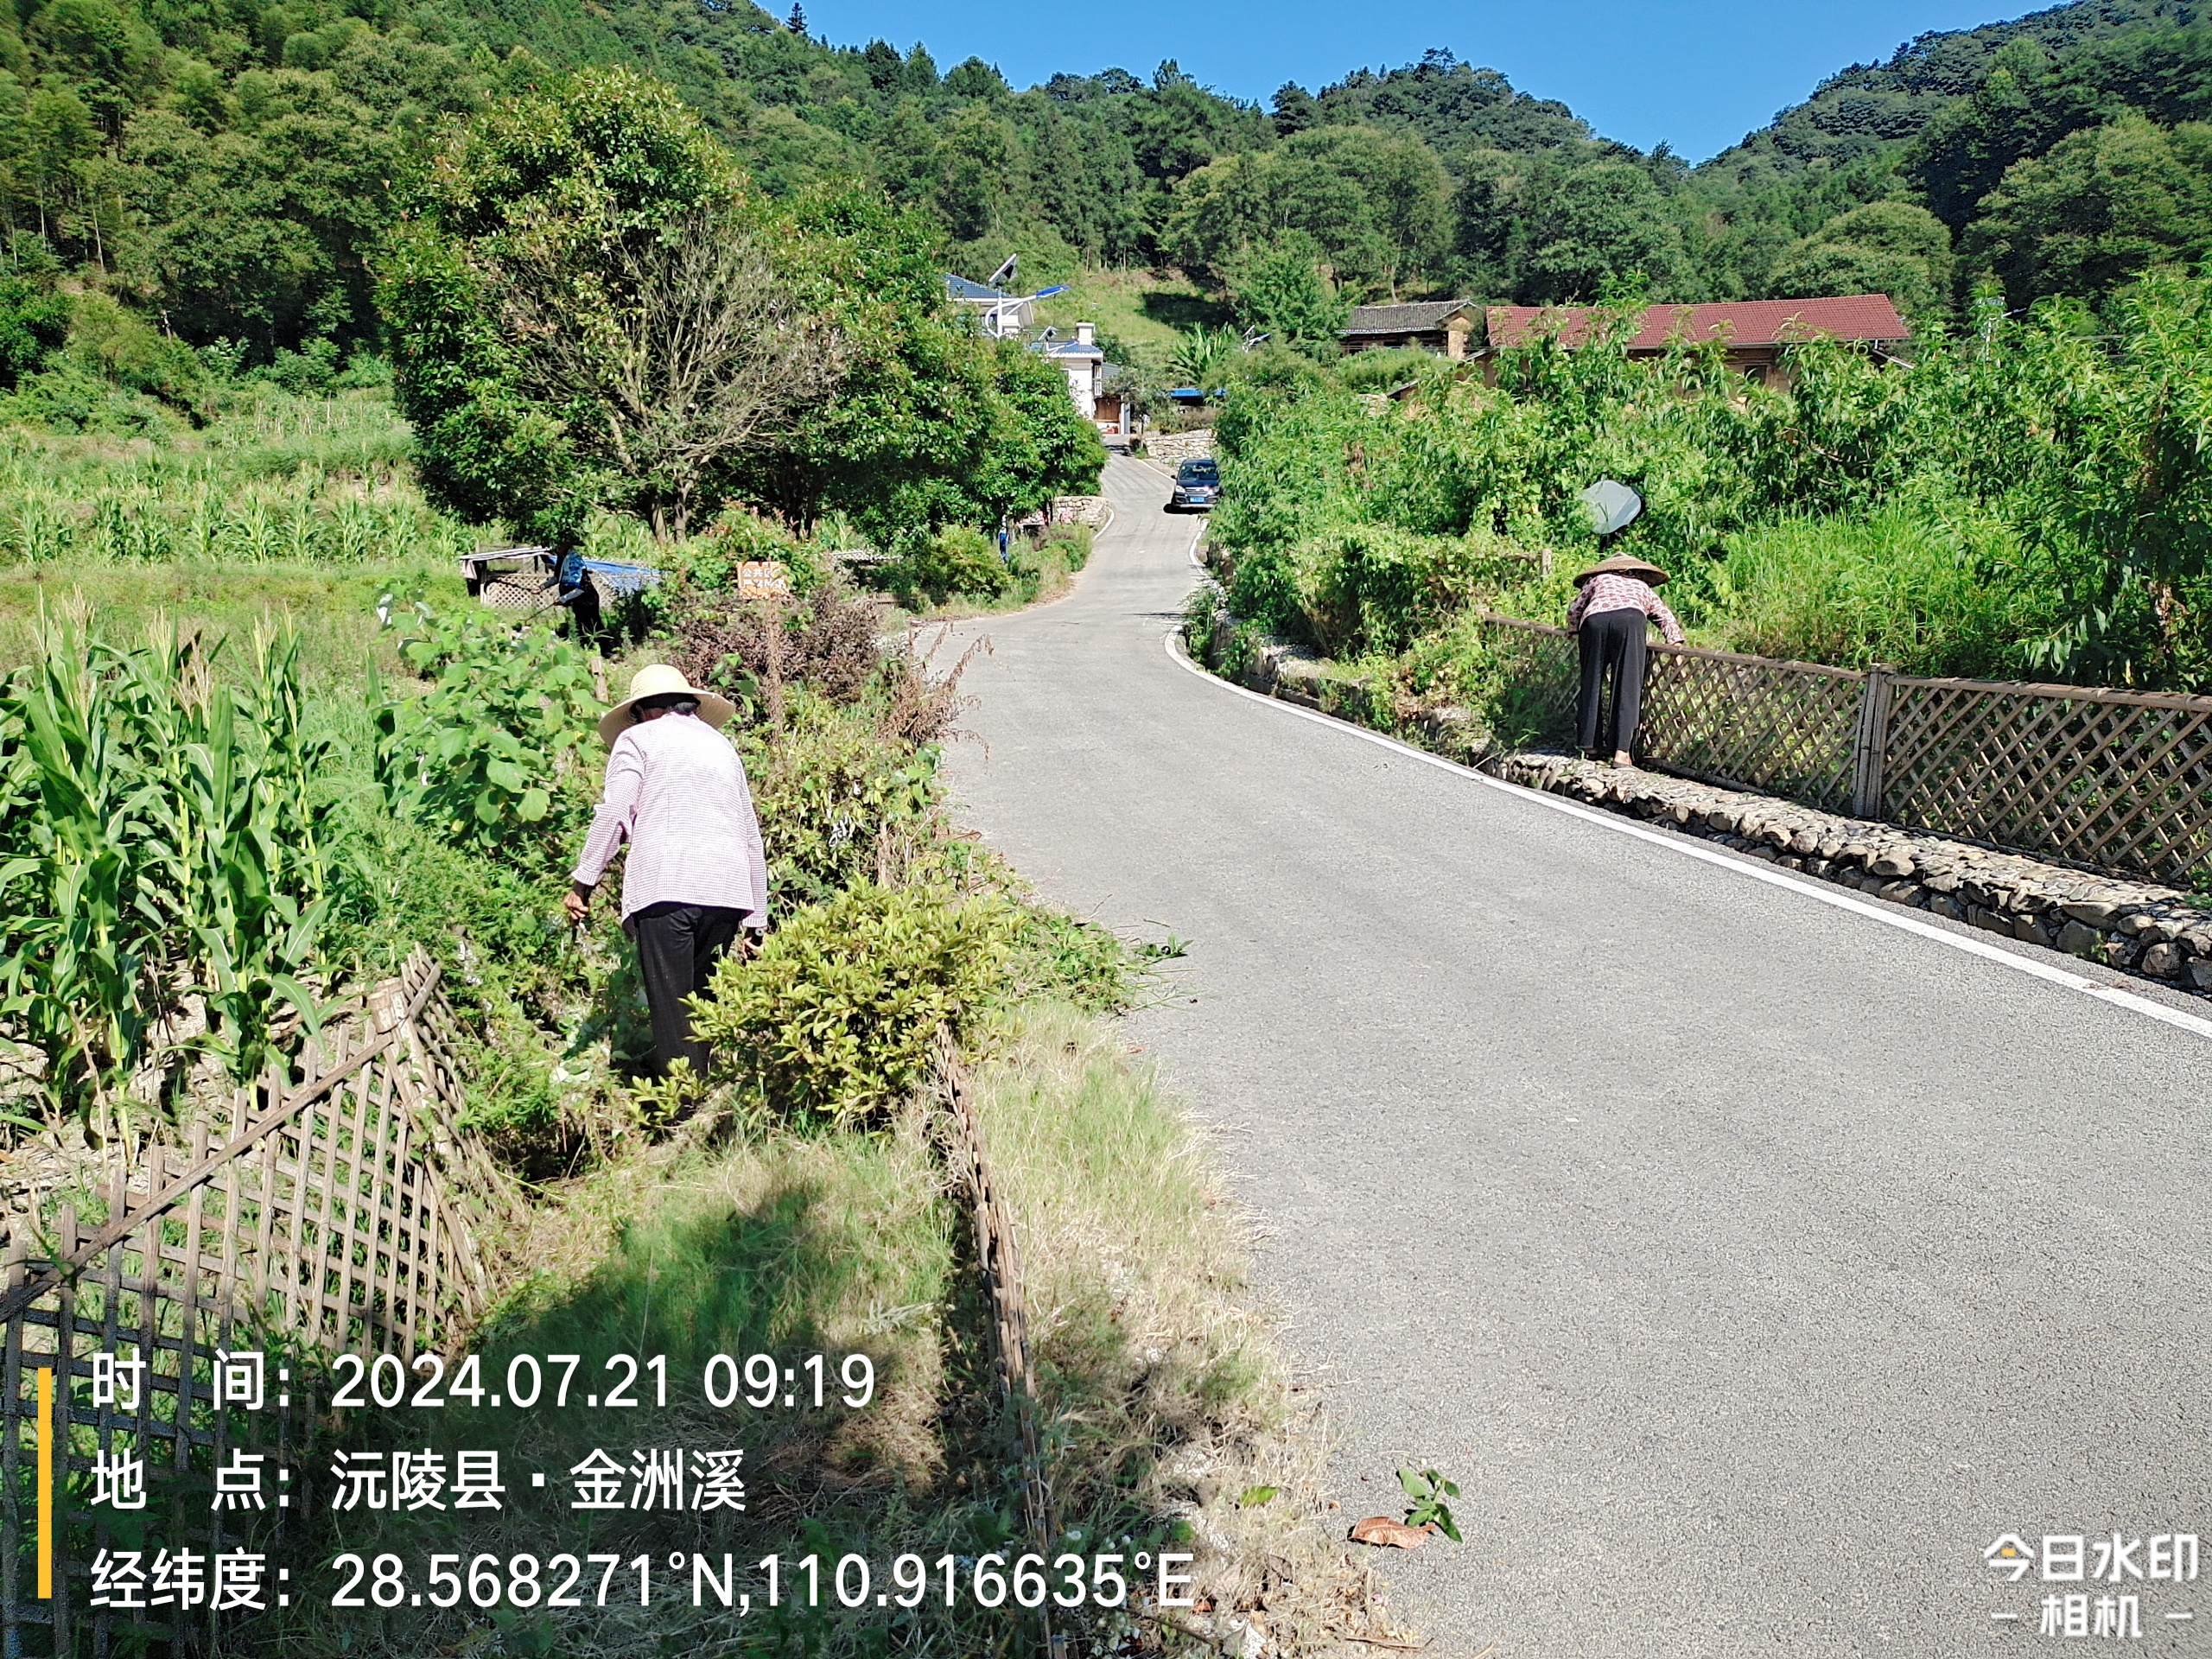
<point>2108,780</point>
<point>338,1210</point>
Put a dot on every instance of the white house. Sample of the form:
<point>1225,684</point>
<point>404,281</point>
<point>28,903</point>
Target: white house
<point>1082,363</point>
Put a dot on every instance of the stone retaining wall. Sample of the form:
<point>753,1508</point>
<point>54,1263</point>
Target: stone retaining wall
<point>2136,928</point>
<point>1172,447</point>
<point>1080,509</point>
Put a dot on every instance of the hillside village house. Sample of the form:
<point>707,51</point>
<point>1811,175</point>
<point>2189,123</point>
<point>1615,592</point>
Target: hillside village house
<point>1115,407</point>
<point>1082,363</point>
<point>1755,332</point>
<point>1448,328</point>
<point>998,314</point>
<point>1009,317</point>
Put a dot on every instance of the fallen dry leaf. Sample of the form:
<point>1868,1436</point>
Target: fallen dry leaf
<point>1382,1531</point>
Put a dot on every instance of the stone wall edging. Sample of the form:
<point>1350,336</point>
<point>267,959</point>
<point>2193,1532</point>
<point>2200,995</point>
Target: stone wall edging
<point>1170,447</point>
<point>2153,932</point>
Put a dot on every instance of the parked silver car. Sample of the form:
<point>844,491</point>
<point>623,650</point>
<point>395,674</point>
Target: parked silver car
<point>1198,487</point>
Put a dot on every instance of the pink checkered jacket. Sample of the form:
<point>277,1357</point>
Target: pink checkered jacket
<point>676,791</point>
<point>1613,591</point>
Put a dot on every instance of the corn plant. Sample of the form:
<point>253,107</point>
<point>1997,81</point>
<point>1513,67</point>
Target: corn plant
<point>165,841</point>
<point>71,980</point>
<point>357,530</point>
<point>43,530</point>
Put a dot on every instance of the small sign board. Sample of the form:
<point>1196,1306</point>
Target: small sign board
<point>763,579</point>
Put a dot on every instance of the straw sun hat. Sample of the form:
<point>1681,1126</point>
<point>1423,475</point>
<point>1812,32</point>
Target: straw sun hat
<point>659,680</point>
<point>1625,564</point>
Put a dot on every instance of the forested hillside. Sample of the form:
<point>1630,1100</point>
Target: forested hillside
<point>221,173</point>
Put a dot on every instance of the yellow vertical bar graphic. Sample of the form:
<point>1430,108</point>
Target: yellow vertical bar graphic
<point>45,1483</point>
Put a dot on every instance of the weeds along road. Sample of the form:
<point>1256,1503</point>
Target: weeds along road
<point>1751,1264</point>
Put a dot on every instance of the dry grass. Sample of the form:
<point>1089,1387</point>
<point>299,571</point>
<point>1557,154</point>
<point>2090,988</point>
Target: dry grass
<point>1169,1405</point>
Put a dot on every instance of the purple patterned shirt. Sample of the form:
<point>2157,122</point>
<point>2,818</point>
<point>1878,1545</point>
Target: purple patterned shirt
<point>676,791</point>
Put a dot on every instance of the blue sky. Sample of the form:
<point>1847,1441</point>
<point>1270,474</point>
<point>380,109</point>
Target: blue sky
<point>1697,75</point>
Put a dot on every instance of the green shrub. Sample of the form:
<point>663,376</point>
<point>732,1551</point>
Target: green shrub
<point>68,397</point>
<point>955,562</point>
<point>489,754</point>
<point>2033,501</point>
<point>34,321</point>
<point>837,1016</point>
<point>1263,589</point>
<point>1072,543</point>
<point>125,349</point>
<point>1380,371</point>
<point>837,802</point>
<point>306,372</point>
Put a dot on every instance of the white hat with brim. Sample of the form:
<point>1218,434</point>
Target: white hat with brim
<point>659,680</point>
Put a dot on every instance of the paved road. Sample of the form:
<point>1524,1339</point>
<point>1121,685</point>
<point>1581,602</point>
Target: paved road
<point>1750,1263</point>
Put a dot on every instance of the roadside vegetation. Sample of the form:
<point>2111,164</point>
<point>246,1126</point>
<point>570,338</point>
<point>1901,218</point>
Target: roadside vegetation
<point>257,747</point>
<point>795,1202</point>
<point>1984,509</point>
<point>298,305</point>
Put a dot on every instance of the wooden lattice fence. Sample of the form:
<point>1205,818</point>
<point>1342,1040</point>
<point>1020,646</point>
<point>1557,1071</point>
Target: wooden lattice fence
<point>2121,780</point>
<point>338,1210</point>
<point>2109,780</point>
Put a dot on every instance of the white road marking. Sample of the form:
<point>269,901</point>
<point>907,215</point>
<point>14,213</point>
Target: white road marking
<point>1826,892</point>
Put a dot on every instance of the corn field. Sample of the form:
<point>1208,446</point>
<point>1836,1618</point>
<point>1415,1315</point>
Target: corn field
<point>295,522</point>
<point>165,864</point>
<point>294,482</point>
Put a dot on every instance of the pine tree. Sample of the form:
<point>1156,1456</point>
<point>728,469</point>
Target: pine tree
<point>796,22</point>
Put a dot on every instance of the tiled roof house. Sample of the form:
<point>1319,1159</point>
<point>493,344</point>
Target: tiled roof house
<point>1755,331</point>
<point>1448,328</point>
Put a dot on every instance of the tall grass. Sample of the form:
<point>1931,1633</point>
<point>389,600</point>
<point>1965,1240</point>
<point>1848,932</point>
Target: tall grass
<point>1925,591</point>
<point>1168,1403</point>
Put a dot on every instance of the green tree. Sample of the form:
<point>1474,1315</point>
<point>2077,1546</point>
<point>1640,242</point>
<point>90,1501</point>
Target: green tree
<point>933,425</point>
<point>977,159</point>
<point>1592,227</point>
<point>2103,206</point>
<point>1376,204</point>
<point>581,179</point>
<point>1282,291</point>
<point>1885,247</point>
<point>1294,110</point>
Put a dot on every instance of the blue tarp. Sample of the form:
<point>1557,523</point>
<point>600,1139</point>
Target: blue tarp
<point>622,578</point>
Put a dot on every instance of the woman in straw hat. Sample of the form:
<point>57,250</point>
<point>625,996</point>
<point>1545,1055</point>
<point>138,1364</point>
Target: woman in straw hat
<point>697,874</point>
<point>1617,602</point>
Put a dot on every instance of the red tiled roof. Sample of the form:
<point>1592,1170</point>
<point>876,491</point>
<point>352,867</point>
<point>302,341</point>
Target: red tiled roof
<point>1741,322</point>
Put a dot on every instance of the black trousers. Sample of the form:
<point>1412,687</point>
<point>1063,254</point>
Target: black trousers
<point>677,948</point>
<point>583,615</point>
<point>1612,644</point>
